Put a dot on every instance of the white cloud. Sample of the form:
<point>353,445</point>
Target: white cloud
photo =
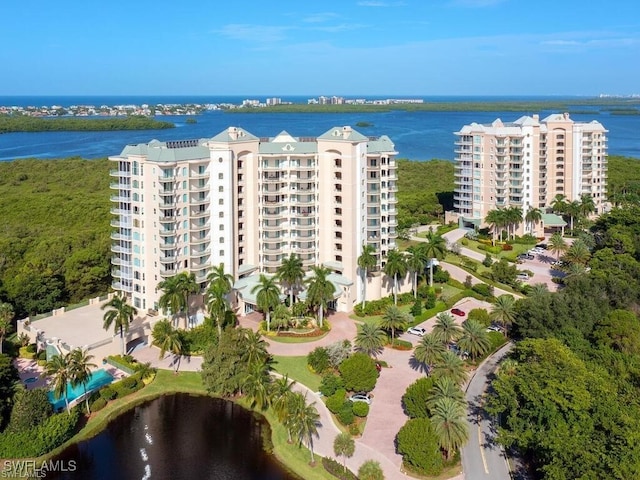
<point>320,17</point>
<point>251,33</point>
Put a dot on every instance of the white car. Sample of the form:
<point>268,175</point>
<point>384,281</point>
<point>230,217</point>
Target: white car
<point>361,397</point>
<point>419,331</point>
<point>523,277</point>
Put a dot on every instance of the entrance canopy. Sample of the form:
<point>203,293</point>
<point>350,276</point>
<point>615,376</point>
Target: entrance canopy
<point>553,220</point>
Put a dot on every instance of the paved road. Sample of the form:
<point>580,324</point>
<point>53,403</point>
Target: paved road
<point>482,457</point>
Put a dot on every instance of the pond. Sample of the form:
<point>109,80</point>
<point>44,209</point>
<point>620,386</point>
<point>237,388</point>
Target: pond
<point>177,437</point>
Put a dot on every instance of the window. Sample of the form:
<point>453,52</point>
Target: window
<point>221,189</point>
<point>221,228</point>
<point>184,171</point>
<point>221,214</point>
<point>222,253</point>
<point>221,201</point>
<point>221,176</point>
<point>221,239</point>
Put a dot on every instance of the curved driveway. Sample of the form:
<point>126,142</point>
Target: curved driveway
<point>482,457</point>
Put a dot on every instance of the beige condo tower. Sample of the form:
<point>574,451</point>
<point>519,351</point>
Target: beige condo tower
<point>527,163</point>
<point>248,203</point>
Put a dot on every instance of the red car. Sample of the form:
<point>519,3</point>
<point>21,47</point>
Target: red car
<point>458,312</point>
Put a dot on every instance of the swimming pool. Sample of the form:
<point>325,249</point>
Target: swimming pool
<point>97,379</point>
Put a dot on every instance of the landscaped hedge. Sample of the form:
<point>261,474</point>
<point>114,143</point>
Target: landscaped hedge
<point>401,345</point>
<point>360,409</point>
<point>98,404</point>
<point>37,441</point>
<point>313,333</point>
<point>337,470</point>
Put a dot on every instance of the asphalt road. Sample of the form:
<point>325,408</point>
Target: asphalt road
<point>482,457</point>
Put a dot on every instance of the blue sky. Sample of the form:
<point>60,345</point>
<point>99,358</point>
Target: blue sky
<point>306,47</point>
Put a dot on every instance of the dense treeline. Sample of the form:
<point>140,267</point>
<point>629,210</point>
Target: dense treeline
<point>498,106</point>
<point>54,236</point>
<point>24,123</point>
<point>570,397</point>
<point>425,191</point>
<point>624,180</point>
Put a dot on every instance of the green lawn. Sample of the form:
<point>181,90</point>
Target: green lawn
<point>517,249</point>
<point>375,319</point>
<point>296,369</point>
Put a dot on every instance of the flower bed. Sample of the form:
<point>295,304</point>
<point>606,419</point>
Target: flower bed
<point>316,332</point>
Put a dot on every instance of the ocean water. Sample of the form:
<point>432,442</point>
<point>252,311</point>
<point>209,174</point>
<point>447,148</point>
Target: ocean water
<point>416,135</point>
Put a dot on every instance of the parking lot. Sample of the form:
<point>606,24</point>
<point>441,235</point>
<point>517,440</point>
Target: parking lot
<point>540,265</point>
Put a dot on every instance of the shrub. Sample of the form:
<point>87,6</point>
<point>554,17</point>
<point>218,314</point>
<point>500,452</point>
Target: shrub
<point>430,302</point>
<point>418,445</point>
<point>456,284</point>
<point>108,393</point>
<point>334,402</point>
<point>25,353</point>
<point>345,414</point>
<point>468,282</point>
<point>464,242</point>
<point>337,470</point>
<point>359,373</point>
<point>487,260</point>
<point>30,409</point>
<point>416,309</point>
<point>497,340</point>
<point>330,383</point>
<point>482,289</point>
<point>129,382</point>
<point>98,404</point>
<point>405,298</point>
<point>318,359</point>
<point>506,247</point>
<point>370,470</point>
<point>481,316</point>
<point>441,276</point>
<point>360,409</point>
<point>402,345</point>
<point>354,429</point>
<point>437,289</point>
<point>338,352</point>
<point>414,400</point>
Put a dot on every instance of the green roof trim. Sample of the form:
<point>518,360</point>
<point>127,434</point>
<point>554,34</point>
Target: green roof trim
<point>553,220</point>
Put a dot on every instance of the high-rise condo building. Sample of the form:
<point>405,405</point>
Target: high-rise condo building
<point>527,163</point>
<point>248,203</point>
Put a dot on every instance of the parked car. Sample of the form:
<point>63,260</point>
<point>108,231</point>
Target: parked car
<point>526,256</point>
<point>456,349</point>
<point>494,328</point>
<point>361,397</point>
<point>458,312</point>
<point>419,331</point>
<point>523,277</point>
<point>543,246</point>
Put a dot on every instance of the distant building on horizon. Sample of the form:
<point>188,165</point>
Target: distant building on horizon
<point>527,163</point>
<point>248,203</point>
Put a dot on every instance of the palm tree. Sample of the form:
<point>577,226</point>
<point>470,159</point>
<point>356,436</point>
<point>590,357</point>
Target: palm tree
<point>6,315</point>
<point>255,348</point>
<point>219,278</point>
<point>307,420</point>
<point>394,319</point>
<point>415,264</point>
<point>145,370</point>
<point>446,329</point>
<point>367,261</point>
<point>58,369</point>
<point>450,426</point>
<point>370,339</point>
<point>296,402</point>
<point>268,296</point>
<point>167,339</point>
<point>577,253</point>
<point>503,310</point>
<point>281,393</point>
<point>450,366</point>
<point>176,291</point>
<point>434,248</point>
<point>587,205</point>
<point>572,209</point>
<point>80,370</point>
<point>537,291</point>
<point>344,446</point>
<point>559,204</point>
<point>533,217</point>
<point>256,385</point>
<point>474,339</point>
<point>320,291</point>
<point>395,267</point>
<point>429,351</point>
<point>557,244</point>
<point>497,219</point>
<point>291,274</point>
<point>120,315</point>
<point>445,388</point>
<point>218,304</point>
<point>281,317</point>
<point>514,218</point>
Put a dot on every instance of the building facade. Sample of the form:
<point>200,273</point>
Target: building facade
<point>248,203</point>
<point>527,163</point>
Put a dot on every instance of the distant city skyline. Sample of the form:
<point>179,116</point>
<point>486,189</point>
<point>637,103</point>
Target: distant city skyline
<point>349,47</point>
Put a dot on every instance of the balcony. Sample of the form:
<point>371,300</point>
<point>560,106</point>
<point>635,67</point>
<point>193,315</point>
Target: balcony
<point>119,261</point>
<point>120,249</point>
<point>305,199</point>
<point>120,199</point>
<point>273,179</point>
<point>271,227</point>
<point>272,249</point>
<point>198,227</point>
<point>303,213</point>
<point>118,173</point>
<point>167,246</point>
<point>198,200</point>
<point>120,236</point>
<point>164,180</point>
<point>117,273</point>
<point>199,188</point>
<point>272,261</point>
<point>274,213</point>
<point>197,174</point>
<point>118,286</point>
<point>392,200</point>
<point>304,168</point>
<point>198,213</point>
<point>168,259</point>
<point>271,240</point>
<point>168,272</point>
<point>120,224</point>
<point>309,248</point>
<point>199,240</point>
<point>119,186</point>
<point>304,228</point>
